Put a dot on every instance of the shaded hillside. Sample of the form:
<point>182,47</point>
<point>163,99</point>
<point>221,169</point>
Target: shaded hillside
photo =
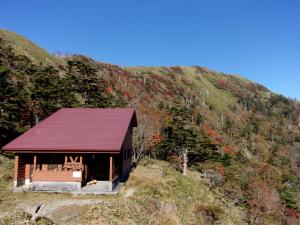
<point>243,137</point>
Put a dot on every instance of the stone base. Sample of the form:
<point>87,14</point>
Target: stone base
<point>56,186</point>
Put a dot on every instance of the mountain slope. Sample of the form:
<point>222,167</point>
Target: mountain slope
<point>240,135</point>
<point>22,46</point>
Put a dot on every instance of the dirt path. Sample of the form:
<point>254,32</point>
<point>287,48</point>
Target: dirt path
<point>64,211</point>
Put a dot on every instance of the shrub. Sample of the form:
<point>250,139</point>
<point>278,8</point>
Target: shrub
<point>210,214</point>
<point>44,221</point>
<point>215,178</point>
<point>289,196</point>
<point>297,138</point>
<point>22,217</point>
<point>6,177</point>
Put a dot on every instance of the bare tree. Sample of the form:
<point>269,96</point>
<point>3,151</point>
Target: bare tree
<point>185,161</point>
<point>141,138</point>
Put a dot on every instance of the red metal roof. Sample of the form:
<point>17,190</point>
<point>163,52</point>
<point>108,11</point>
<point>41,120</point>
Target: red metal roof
<point>77,130</point>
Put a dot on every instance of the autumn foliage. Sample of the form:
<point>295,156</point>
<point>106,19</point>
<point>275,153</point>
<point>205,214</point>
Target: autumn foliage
<point>155,139</point>
<point>212,133</point>
<point>262,200</point>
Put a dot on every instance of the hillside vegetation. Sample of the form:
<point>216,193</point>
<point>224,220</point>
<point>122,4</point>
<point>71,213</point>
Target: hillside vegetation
<point>22,46</point>
<point>242,137</point>
<point>165,197</point>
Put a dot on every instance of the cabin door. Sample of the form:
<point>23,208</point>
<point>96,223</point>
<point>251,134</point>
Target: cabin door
<point>98,167</point>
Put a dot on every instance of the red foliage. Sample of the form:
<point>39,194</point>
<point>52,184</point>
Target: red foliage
<point>221,84</point>
<point>262,199</point>
<point>109,90</point>
<point>186,82</point>
<point>291,213</point>
<point>126,94</point>
<point>228,150</point>
<point>221,170</point>
<point>212,133</point>
<point>156,138</point>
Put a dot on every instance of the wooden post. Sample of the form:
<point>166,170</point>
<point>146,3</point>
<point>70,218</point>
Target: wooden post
<point>80,163</point>
<point>34,163</point>
<point>66,159</point>
<point>110,168</point>
<point>16,170</point>
<point>27,171</point>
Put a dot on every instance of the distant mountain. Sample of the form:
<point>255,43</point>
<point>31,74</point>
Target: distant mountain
<point>242,136</point>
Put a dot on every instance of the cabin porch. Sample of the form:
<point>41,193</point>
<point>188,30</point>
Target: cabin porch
<point>67,172</point>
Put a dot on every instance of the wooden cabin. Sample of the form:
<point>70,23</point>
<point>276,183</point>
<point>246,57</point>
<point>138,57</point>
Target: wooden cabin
<point>73,147</point>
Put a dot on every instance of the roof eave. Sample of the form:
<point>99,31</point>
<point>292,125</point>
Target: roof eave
<point>16,150</point>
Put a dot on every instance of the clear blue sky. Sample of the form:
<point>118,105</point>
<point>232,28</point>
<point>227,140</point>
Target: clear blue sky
<point>258,39</point>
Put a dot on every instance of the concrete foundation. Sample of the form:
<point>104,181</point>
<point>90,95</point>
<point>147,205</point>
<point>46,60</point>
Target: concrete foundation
<point>114,183</point>
<point>27,182</point>
<point>56,186</point>
<point>101,187</point>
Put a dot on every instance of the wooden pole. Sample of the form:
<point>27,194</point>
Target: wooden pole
<point>110,168</point>
<point>27,171</point>
<point>80,163</point>
<point>66,160</point>
<point>34,163</point>
<point>16,170</point>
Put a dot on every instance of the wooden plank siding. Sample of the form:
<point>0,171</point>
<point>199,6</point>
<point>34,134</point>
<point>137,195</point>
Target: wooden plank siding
<point>19,171</point>
<point>63,173</point>
<point>55,176</point>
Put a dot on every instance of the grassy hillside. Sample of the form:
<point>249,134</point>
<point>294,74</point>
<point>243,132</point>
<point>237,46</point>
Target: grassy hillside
<point>154,194</point>
<point>240,135</point>
<point>22,46</point>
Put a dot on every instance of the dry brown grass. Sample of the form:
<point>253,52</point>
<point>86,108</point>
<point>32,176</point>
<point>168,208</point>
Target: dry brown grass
<point>161,195</point>
<point>154,194</point>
